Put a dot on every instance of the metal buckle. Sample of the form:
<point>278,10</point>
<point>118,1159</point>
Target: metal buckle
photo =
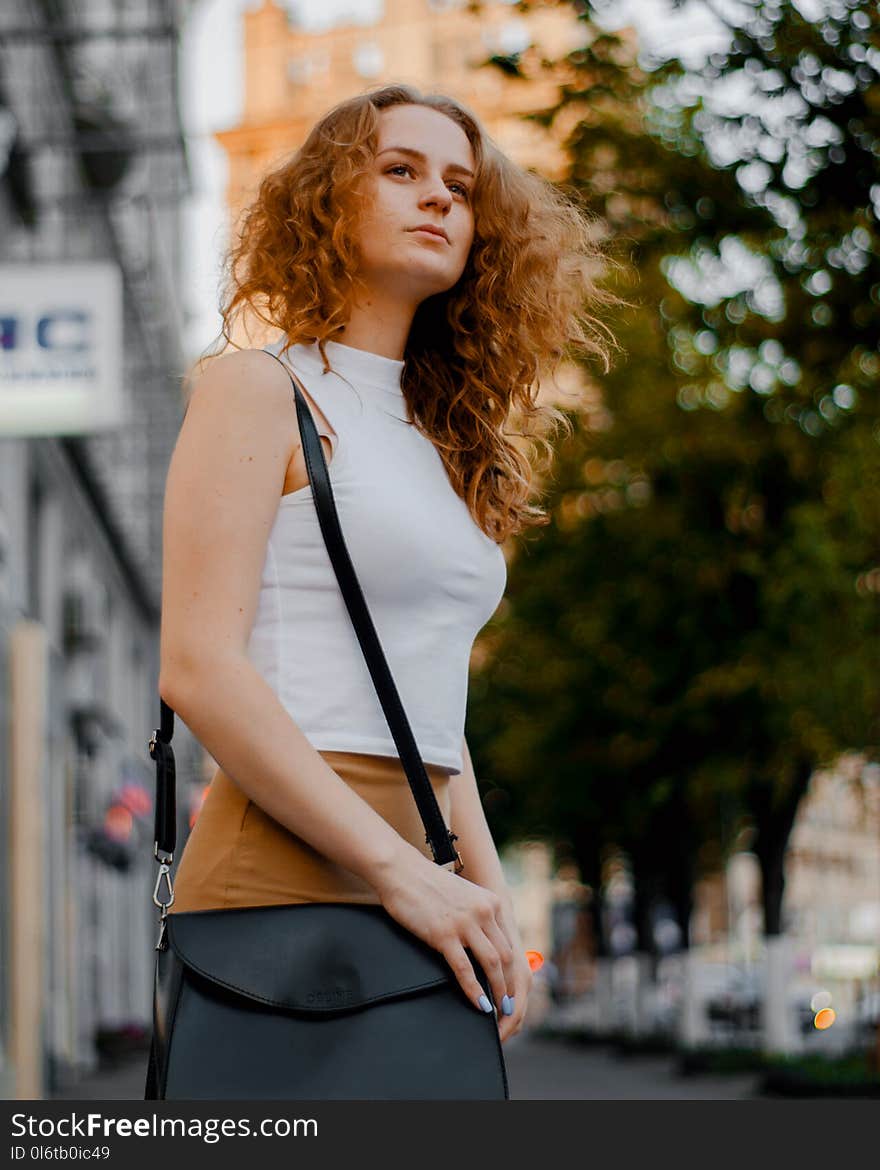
<point>457,864</point>
<point>169,857</point>
<point>161,941</point>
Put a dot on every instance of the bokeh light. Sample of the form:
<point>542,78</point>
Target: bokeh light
<point>536,960</point>
<point>136,799</point>
<point>118,822</point>
<point>196,803</point>
<point>825,1019</point>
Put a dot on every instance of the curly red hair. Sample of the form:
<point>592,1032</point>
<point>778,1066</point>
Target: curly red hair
<point>528,294</point>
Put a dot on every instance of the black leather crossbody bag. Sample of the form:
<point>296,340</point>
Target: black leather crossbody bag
<point>318,1000</point>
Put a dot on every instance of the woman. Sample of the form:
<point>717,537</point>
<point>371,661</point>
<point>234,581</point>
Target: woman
<point>417,278</point>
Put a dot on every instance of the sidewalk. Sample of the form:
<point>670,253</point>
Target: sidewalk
<point>121,1082</point>
<point>538,1069</point>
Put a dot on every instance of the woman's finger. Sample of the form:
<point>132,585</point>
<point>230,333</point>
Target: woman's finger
<point>485,951</point>
<point>463,969</point>
<point>499,940</point>
<point>510,1024</point>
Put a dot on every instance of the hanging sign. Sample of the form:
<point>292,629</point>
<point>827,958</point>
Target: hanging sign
<point>61,368</point>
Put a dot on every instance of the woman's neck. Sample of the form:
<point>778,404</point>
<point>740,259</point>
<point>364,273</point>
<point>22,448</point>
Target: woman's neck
<point>380,327</point>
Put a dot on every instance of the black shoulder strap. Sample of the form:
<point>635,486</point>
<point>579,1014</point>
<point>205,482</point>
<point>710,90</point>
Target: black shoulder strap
<point>437,835</point>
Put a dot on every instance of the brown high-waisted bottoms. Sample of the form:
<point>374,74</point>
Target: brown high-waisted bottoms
<point>237,855</point>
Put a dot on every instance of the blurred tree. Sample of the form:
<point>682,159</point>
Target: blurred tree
<point>696,631</point>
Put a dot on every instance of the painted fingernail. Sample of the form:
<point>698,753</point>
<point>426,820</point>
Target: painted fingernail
<point>484,1003</point>
<point>507,1005</point>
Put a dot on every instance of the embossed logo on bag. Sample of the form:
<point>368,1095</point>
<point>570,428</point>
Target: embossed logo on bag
<point>339,995</point>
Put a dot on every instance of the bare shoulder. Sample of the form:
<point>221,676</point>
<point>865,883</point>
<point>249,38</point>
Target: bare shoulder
<point>236,439</point>
<point>224,482</point>
<point>247,396</point>
<point>243,376</point>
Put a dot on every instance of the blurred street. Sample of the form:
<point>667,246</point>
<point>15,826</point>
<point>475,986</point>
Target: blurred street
<point>538,1069</point>
<point>542,1069</point>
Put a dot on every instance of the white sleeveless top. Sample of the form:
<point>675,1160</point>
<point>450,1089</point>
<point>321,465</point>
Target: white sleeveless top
<point>430,576</point>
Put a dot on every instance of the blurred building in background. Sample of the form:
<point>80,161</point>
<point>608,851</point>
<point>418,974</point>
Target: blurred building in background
<point>292,76</point>
<point>92,174</point>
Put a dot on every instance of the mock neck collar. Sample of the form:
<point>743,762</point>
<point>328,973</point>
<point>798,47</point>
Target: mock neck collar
<point>359,366</point>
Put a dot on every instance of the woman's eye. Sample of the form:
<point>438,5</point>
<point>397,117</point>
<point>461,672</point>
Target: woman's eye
<point>407,167</point>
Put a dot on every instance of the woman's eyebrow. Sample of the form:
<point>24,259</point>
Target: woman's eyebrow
<point>422,157</point>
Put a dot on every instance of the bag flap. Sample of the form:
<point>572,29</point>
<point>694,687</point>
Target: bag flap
<point>313,956</point>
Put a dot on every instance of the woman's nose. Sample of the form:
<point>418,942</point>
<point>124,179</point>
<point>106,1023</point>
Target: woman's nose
<point>440,195</point>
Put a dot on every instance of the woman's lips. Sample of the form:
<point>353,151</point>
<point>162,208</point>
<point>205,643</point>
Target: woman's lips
<point>430,235</point>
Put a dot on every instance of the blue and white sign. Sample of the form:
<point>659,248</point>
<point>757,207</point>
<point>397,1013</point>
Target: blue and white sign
<point>61,366</point>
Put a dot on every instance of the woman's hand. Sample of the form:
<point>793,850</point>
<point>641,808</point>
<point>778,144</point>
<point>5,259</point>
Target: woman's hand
<point>451,913</point>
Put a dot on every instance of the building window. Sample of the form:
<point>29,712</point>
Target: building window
<point>368,59</point>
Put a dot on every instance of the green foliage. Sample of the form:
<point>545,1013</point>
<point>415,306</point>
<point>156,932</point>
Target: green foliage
<point>697,629</point>
<point>819,1072</point>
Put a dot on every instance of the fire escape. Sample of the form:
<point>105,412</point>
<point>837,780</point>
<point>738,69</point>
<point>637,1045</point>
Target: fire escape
<point>94,166</point>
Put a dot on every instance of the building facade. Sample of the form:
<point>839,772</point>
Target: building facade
<point>292,75</point>
<point>92,175</point>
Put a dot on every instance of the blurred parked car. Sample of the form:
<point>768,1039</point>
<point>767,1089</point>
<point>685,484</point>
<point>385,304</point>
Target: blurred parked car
<point>737,1005</point>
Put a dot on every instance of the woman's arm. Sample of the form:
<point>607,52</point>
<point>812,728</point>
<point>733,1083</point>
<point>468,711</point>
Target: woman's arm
<point>483,866</point>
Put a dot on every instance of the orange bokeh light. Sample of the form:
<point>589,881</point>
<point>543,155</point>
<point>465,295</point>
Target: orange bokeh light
<point>196,804</point>
<point>824,1019</point>
<point>136,799</point>
<point>118,822</point>
<point>536,960</point>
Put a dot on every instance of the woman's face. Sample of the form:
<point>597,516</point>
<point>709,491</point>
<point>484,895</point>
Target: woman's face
<point>407,191</point>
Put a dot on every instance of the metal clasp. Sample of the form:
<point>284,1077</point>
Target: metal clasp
<point>164,872</point>
<point>457,864</point>
<point>161,944</point>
